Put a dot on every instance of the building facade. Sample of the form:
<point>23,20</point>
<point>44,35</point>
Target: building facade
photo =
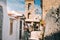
<point>48,4</point>
<point>3,19</point>
<point>32,20</point>
<point>16,26</point>
<point>50,10</point>
<point>13,22</point>
<point>30,15</point>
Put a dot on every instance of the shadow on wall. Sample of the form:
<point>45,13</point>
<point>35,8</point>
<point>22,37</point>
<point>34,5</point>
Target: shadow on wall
<point>52,31</point>
<point>55,36</point>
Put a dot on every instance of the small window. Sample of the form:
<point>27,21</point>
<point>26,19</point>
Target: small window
<point>36,26</point>
<point>29,6</point>
<point>28,15</point>
<point>11,26</point>
<point>1,9</point>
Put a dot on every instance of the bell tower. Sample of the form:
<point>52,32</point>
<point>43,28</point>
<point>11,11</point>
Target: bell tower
<point>29,8</point>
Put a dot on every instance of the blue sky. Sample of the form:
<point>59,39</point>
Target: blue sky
<point>19,5</point>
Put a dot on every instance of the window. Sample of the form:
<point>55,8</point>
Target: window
<point>20,35</point>
<point>1,9</point>
<point>1,20</point>
<point>11,26</point>
<point>29,6</point>
<point>28,15</point>
<point>36,26</point>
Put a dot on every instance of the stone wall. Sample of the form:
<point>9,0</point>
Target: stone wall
<point>52,30</point>
<point>51,17</point>
<point>48,4</point>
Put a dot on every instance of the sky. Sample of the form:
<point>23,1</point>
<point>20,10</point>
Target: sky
<point>19,5</point>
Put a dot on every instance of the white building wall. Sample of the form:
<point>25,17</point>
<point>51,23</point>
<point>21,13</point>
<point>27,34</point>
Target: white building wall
<point>17,29</point>
<point>22,28</point>
<point>6,25</point>
<point>5,21</point>
<point>15,34</point>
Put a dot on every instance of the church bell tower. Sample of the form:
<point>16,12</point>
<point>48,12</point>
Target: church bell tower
<point>29,9</point>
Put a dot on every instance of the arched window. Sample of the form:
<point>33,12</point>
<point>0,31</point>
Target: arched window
<point>11,26</point>
<point>28,15</point>
<point>29,6</point>
<point>1,20</point>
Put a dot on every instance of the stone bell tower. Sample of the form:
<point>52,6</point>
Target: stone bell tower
<point>29,9</point>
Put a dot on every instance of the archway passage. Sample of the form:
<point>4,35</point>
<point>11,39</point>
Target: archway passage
<point>1,20</point>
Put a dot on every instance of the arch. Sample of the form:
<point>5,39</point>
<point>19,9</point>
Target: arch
<point>29,6</point>
<point>29,15</point>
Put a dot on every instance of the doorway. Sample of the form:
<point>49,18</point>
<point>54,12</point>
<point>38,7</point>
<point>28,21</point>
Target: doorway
<point>20,31</point>
<point>1,21</point>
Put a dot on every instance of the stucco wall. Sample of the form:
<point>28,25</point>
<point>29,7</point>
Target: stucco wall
<point>6,25</point>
